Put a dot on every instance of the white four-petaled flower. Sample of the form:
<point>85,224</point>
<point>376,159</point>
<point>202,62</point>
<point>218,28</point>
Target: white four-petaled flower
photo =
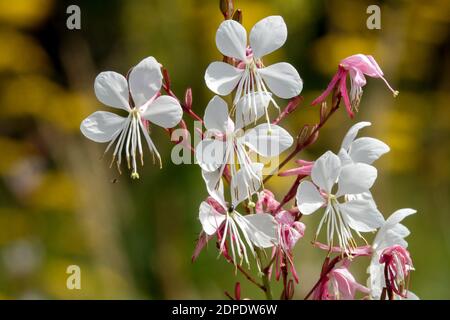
<point>341,216</point>
<point>250,75</point>
<point>140,97</point>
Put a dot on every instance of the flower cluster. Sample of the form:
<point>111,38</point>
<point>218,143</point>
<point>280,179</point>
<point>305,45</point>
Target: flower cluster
<point>250,226</point>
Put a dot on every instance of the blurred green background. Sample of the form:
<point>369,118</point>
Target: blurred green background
<point>134,239</point>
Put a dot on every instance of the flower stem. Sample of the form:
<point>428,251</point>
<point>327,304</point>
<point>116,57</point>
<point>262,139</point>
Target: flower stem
<point>265,275</point>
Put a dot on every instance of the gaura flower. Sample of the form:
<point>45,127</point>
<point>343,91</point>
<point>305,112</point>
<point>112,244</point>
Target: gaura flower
<point>357,66</point>
<point>242,232</point>
<point>250,75</point>
<point>339,284</point>
<point>392,233</point>
<point>140,97</point>
<point>341,216</point>
<point>224,143</point>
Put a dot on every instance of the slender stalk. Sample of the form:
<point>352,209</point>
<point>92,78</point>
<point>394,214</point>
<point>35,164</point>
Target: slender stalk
<point>265,275</point>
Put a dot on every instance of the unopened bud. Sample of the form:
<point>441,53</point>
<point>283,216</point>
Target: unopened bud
<point>188,98</point>
<point>237,16</point>
<point>227,8</point>
<point>251,204</point>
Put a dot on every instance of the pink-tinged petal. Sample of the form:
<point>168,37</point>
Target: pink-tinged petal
<point>357,78</point>
<point>266,202</point>
<point>202,241</point>
<point>344,94</point>
<point>363,63</point>
<point>341,73</point>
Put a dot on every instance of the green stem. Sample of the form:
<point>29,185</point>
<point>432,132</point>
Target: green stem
<point>265,276</point>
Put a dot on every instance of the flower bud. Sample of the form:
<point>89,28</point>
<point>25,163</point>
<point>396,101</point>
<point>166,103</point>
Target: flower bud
<point>227,8</point>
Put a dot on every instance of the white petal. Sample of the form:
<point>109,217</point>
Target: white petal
<point>210,154</point>
<point>392,232</point>
<point>231,39</point>
<point>399,215</point>
<point>361,215</point>
<point>356,178</point>
<point>221,78</point>
<point>102,126</point>
<point>308,198</point>
<point>268,140</point>
<point>282,79</point>
<point>325,171</point>
<point>367,150</point>
<point>210,218</point>
<point>261,229</point>
<point>351,134</point>
<point>165,112</point>
<point>216,115</point>
<point>251,107</point>
<point>145,80</point>
<point>214,185</point>
<point>376,279</point>
<point>267,35</point>
<point>246,182</point>
<point>111,88</point>
<point>345,158</point>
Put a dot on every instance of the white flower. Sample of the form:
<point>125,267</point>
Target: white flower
<point>391,233</point>
<point>139,96</point>
<point>224,142</point>
<point>258,229</point>
<point>251,75</point>
<point>363,150</point>
<point>340,217</point>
